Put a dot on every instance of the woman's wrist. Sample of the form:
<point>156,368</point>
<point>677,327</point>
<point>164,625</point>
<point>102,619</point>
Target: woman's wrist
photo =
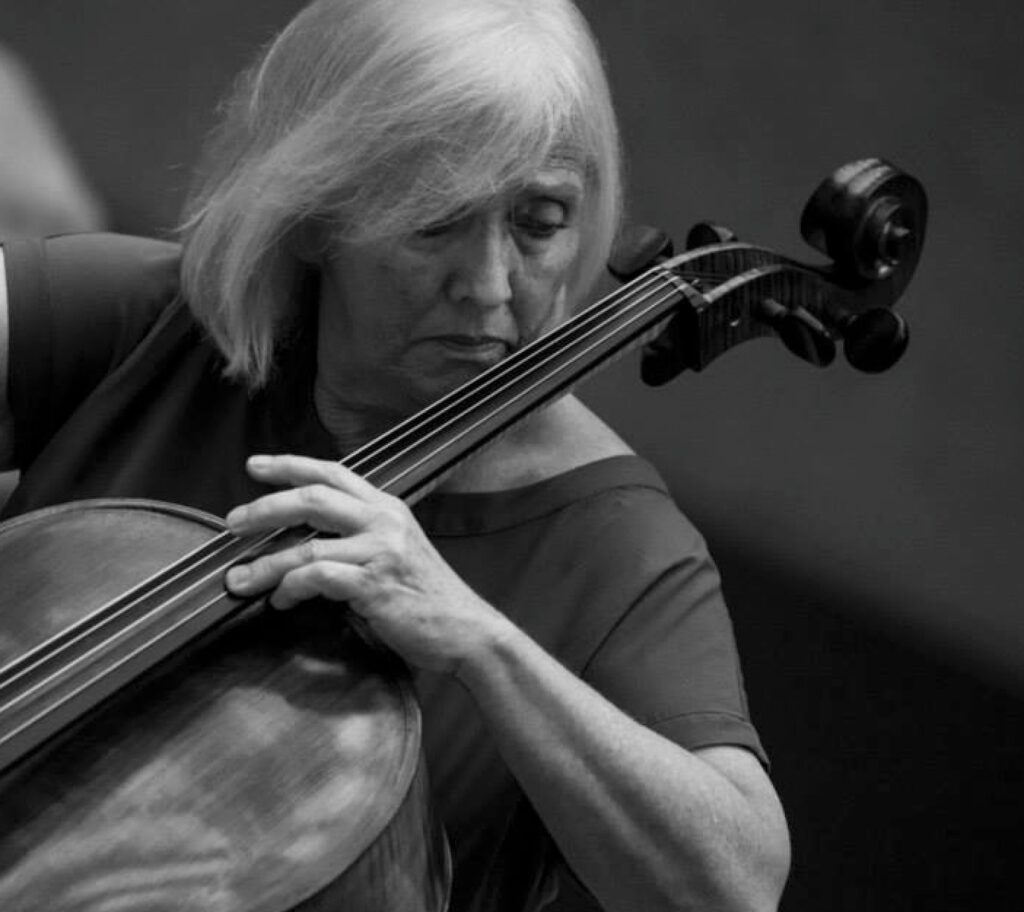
<point>493,649</point>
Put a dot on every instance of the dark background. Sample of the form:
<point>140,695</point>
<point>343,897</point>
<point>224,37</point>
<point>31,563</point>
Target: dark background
<point>868,527</point>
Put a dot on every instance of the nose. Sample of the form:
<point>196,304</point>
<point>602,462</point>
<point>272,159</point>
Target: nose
<point>482,264</point>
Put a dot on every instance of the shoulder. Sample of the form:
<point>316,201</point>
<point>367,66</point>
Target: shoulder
<point>81,302</point>
<point>87,290</point>
<point>561,437</point>
<point>102,266</point>
<point>77,306</point>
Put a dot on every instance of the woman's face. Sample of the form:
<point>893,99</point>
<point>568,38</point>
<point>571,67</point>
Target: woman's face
<point>403,321</point>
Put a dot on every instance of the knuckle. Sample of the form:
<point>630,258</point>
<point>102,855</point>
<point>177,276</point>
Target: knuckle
<point>395,516</point>
<point>315,496</point>
<point>386,561</point>
<point>261,572</point>
<point>336,473</point>
<point>254,512</point>
<point>397,507</point>
<point>390,539</point>
<point>310,551</point>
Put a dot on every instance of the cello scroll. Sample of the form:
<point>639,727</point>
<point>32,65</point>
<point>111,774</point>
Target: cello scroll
<point>868,217</point>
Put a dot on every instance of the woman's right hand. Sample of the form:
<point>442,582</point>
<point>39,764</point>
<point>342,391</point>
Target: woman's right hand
<point>375,558</point>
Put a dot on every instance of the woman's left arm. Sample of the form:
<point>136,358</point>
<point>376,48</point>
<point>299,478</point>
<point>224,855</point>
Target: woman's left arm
<point>644,823</point>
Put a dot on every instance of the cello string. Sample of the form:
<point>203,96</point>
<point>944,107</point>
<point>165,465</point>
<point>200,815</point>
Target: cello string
<point>102,674</point>
<point>217,571</point>
<point>116,608</point>
<point>616,299</point>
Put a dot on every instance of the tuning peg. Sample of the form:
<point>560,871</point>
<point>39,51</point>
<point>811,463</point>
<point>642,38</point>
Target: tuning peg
<point>664,358</point>
<point>707,234</point>
<point>873,341</point>
<point>801,332</point>
<point>637,249</point>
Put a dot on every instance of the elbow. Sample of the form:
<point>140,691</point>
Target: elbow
<point>742,891</point>
<point>770,880</point>
<point>775,859</point>
<point>756,880</point>
<point>746,873</point>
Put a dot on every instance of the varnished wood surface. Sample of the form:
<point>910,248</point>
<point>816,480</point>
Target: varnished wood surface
<point>250,775</point>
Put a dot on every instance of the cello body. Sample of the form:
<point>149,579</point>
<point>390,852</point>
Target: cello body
<point>275,766</point>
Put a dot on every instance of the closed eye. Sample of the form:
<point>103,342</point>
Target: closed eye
<point>542,217</point>
<point>443,225</point>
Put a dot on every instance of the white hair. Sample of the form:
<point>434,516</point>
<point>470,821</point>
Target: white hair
<point>372,118</point>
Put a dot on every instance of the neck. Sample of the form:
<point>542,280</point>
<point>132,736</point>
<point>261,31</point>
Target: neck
<point>503,463</point>
<point>349,424</point>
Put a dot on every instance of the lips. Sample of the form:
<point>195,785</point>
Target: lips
<point>484,347</point>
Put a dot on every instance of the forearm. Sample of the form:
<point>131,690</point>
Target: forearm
<point>644,823</point>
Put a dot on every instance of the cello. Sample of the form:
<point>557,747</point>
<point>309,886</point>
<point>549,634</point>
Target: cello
<point>167,745</point>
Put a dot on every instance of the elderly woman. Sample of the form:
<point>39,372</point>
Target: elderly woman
<point>403,193</point>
